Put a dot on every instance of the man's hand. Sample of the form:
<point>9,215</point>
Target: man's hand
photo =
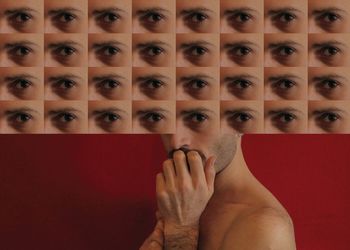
<point>156,240</point>
<point>182,194</point>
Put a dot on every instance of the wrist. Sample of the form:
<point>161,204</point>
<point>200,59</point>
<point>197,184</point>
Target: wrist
<point>180,236</point>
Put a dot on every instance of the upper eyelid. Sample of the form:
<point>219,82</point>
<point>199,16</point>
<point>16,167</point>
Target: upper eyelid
<point>105,110</point>
<point>191,77</point>
<point>148,77</point>
<point>284,110</point>
<point>238,10</point>
<point>15,77</point>
<point>97,46</point>
<point>198,110</point>
<point>64,43</point>
<point>59,77</point>
<point>62,10</point>
<point>293,44</point>
<point>52,113</point>
<point>240,43</point>
<point>184,46</point>
<point>109,76</point>
<point>194,10</point>
<point>152,43</point>
<point>325,10</point>
<point>20,43</point>
<point>24,110</point>
<point>245,110</point>
<point>98,12</point>
<point>326,77</point>
<point>280,77</point>
<point>16,10</point>
<point>282,10</point>
<point>149,10</point>
<point>243,76</point>
<point>329,43</point>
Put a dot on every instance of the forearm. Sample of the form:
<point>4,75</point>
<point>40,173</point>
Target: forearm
<point>181,238</point>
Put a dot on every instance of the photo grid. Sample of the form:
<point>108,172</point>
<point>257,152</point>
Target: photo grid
<point>140,67</point>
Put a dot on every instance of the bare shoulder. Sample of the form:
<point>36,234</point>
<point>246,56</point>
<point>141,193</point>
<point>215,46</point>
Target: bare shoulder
<point>263,228</point>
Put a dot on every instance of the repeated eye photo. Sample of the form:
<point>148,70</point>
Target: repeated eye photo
<point>162,66</point>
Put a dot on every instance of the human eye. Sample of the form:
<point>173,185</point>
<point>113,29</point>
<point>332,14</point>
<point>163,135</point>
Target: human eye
<point>151,86</point>
<point>152,53</point>
<point>108,120</point>
<point>239,86</point>
<point>196,120</point>
<point>196,19</point>
<point>64,120</point>
<point>285,20</point>
<point>284,53</point>
<point>107,86</point>
<point>20,86</point>
<point>21,121</point>
<point>20,53</point>
<point>195,86</point>
<point>283,86</point>
<point>22,19</point>
<point>240,120</point>
<point>284,121</point>
<point>64,53</point>
<point>154,20</point>
<point>66,20</point>
<point>196,53</point>
<point>328,86</point>
<point>328,53</point>
<point>240,53</point>
<point>64,86</point>
<point>108,19</point>
<point>329,120</point>
<point>242,20</point>
<point>152,120</point>
<point>330,20</point>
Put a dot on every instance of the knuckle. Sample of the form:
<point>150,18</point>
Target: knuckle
<point>162,195</point>
<point>179,155</point>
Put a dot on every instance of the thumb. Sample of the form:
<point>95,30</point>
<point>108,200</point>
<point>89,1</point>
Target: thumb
<point>210,173</point>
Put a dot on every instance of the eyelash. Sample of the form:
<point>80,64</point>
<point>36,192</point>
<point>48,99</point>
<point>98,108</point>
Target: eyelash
<point>240,83</point>
<point>64,118</point>
<point>152,117</point>
<point>64,51</point>
<point>282,120</point>
<point>323,83</point>
<point>195,19</point>
<point>279,84</point>
<point>239,115</point>
<point>106,117</point>
<point>284,15</point>
<point>108,83</point>
<point>108,50</point>
<point>151,53</point>
<point>326,115</point>
<point>21,14</point>
<point>20,81</point>
<point>149,84</point>
<point>112,17</point>
<point>62,84</point>
<point>20,51</point>
<point>18,118</point>
<point>151,19</point>
<point>192,116</point>
<point>67,17</point>
<point>195,52</point>
<point>190,84</point>
<point>325,49</point>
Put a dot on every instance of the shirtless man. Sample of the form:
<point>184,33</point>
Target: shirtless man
<point>208,199</point>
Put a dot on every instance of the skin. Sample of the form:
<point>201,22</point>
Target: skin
<point>55,56</point>
<point>102,117</point>
<point>13,123</point>
<point>233,83</point>
<point>187,56</point>
<point>55,122</point>
<point>233,23</point>
<point>21,83</point>
<point>100,23</point>
<point>145,83</point>
<point>143,23</point>
<point>277,83</point>
<point>12,56</point>
<point>275,123</point>
<point>273,56</point>
<point>275,22</point>
<point>54,23</point>
<point>34,21</point>
<point>99,56</point>
<point>321,86</point>
<point>320,56</point>
<point>231,54</point>
<point>195,213</point>
<point>189,22</point>
<point>320,123</point>
<point>188,85</point>
<point>143,124</point>
<point>233,124</point>
<point>142,56</point>
<point>319,23</point>
<point>99,88</point>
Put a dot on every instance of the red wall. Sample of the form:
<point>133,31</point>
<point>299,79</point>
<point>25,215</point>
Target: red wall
<point>97,192</point>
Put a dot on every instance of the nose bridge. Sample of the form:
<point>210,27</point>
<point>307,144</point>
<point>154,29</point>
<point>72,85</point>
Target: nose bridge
<point>181,137</point>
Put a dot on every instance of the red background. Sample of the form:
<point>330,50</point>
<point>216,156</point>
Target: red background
<point>88,192</point>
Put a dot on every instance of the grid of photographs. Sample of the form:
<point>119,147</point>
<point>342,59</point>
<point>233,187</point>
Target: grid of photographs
<point>138,67</point>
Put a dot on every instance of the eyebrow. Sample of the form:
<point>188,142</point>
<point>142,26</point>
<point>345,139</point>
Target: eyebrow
<point>64,43</point>
<point>233,111</point>
<point>243,42</point>
<point>57,77</point>
<point>20,43</point>
<point>16,10</point>
<point>14,77</point>
<point>321,11</point>
<point>283,110</point>
<point>237,10</point>
<point>196,9</point>
<point>147,110</point>
<point>230,78</point>
<point>100,11</point>
<point>144,11</point>
<point>111,109</point>
<point>98,45</point>
<point>327,43</point>
<point>60,110</point>
<point>196,110</point>
<point>151,43</point>
<point>285,9</point>
<point>325,77</point>
<point>103,77</point>
<point>190,77</point>
<point>283,43</point>
<point>199,42</point>
<point>60,10</point>
<point>278,77</point>
<point>16,110</point>
<point>330,109</point>
<point>146,77</point>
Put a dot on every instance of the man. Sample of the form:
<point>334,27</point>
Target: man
<point>207,197</point>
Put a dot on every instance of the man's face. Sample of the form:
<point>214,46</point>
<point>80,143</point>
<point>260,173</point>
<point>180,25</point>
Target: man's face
<point>198,128</point>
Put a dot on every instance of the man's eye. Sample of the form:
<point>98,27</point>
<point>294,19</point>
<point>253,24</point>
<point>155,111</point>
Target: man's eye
<point>65,117</point>
<point>241,117</point>
<point>284,118</point>
<point>108,51</point>
<point>152,117</point>
<point>328,84</point>
<point>64,51</point>
<point>196,84</point>
<point>196,51</point>
<point>152,84</point>
<point>328,51</point>
<point>241,84</point>
<point>152,18</point>
<point>194,19</point>
<point>109,117</point>
<point>21,83</point>
<point>64,84</point>
<point>284,18</point>
<point>152,51</point>
<point>328,117</point>
<point>197,118</point>
<point>108,84</point>
<point>328,18</point>
<point>284,51</point>
<point>20,18</point>
<point>284,84</point>
<point>64,17</point>
<point>240,17</point>
<point>20,118</point>
<point>240,51</point>
<point>20,51</point>
<point>108,17</point>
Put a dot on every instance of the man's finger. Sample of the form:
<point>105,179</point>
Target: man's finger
<point>196,166</point>
<point>181,167</point>
<point>210,173</point>
<point>160,183</point>
<point>169,173</point>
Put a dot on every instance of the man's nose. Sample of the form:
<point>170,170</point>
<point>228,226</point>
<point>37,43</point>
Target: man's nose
<point>180,139</point>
